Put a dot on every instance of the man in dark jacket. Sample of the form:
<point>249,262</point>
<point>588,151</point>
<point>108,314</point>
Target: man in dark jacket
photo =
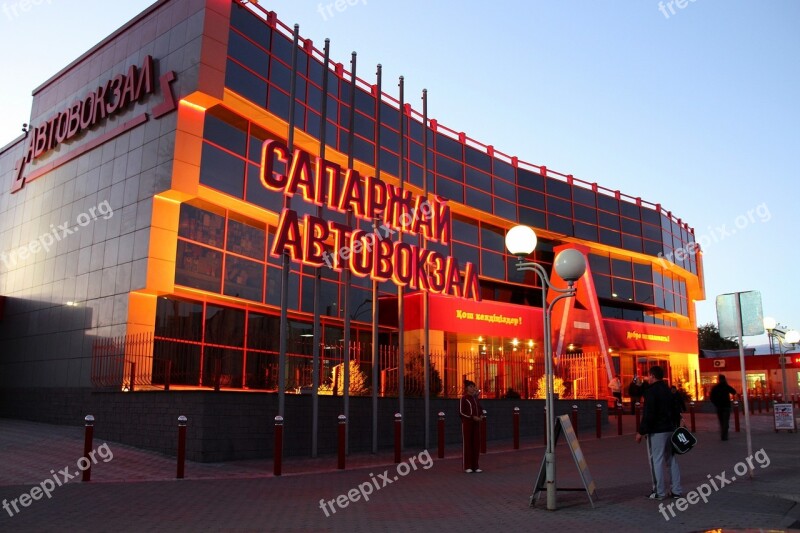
<point>658,424</point>
<point>721,398</point>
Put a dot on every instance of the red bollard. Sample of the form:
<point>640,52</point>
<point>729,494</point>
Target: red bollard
<point>181,446</point>
<point>87,447</point>
<point>574,419</point>
<point>758,399</point>
<point>769,400</point>
<point>798,402</point>
<point>736,416</point>
<point>619,419</point>
<point>638,408</point>
<point>441,434</point>
<point>342,431</point>
<point>277,454</point>
<point>599,420</point>
<point>691,415</point>
<point>483,432</point>
<point>398,431</point>
<point>516,428</point>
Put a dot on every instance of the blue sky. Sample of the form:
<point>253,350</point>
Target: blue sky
<point>693,107</point>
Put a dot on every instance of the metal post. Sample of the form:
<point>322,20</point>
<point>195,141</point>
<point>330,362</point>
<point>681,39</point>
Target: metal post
<point>574,417</point>
<point>167,374</point>
<point>691,415</point>
<point>398,431</point>
<point>181,446</point>
<point>516,428</point>
<point>638,411</point>
<point>736,416</point>
<point>599,420</point>
<point>133,376</point>
<point>277,454</point>
<point>545,426</point>
<point>441,434</point>
<point>483,432</point>
<point>619,419</point>
<point>87,445</point>
<point>342,430</point>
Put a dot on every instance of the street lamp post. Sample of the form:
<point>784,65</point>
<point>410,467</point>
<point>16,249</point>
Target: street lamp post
<point>570,265</point>
<point>782,337</point>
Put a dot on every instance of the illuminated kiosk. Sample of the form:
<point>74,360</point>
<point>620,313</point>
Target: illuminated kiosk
<point>179,282</point>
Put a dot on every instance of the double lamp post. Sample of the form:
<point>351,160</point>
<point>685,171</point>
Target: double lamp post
<point>570,265</point>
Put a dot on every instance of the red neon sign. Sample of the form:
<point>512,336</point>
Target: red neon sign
<point>368,254</point>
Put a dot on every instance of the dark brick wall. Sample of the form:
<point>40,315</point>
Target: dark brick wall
<point>225,426</point>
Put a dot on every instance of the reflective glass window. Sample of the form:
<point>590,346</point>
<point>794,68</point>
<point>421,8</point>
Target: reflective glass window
<point>505,190</point>
<point>505,209</point>
<point>632,243</point>
<point>464,230</point>
<point>585,214</point>
<point>448,167</point>
<point>198,267</point>
<point>493,265</point>
<point>634,227</point>
<point>504,170</point>
<point>278,103</point>
<point>608,220</point>
<point>248,23</point>
<point>529,179</point>
<point>584,196</point>
<point>492,238</point>
<point>623,288</point>
<point>559,224</point>
<point>226,129</point>
<point>246,84</point>
<point>478,200</point>
<point>478,158</point>
<point>248,54</point>
<point>629,210</point>
<point>559,188</point>
<point>608,203</point>
<point>559,207</point>
<point>621,268</point>
<point>529,198</point>
<point>609,237</point>
<point>244,279</point>
<point>245,239</point>
<point>448,146</point>
<point>222,171</point>
<point>532,217</point>
<point>478,179</point>
<point>449,189</point>
<point>599,264</point>
<point>586,231</point>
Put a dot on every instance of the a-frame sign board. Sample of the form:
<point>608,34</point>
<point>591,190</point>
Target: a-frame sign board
<point>563,423</point>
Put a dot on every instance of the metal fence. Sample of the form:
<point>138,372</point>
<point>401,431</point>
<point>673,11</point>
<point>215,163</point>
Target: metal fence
<point>146,361</point>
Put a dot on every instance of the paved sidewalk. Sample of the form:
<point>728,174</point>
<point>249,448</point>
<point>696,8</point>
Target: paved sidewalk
<point>136,490</point>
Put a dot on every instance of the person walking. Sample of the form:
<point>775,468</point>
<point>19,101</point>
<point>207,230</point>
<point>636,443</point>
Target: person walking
<point>658,424</point>
<point>635,392</point>
<point>470,411</point>
<point>721,398</point>
<point>615,385</point>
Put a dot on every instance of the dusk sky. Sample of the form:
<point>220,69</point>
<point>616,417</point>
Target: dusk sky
<point>693,107</point>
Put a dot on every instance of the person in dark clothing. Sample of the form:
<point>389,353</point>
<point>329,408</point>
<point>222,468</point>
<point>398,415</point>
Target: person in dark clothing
<point>470,411</point>
<point>635,392</point>
<point>721,398</point>
<point>678,407</point>
<point>658,424</point>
